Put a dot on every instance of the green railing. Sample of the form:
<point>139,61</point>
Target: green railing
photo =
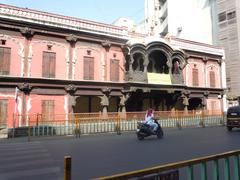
<point>230,159</point>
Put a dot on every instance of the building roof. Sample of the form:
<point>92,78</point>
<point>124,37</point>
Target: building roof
<point>60,21</point>
<point>71,23</point>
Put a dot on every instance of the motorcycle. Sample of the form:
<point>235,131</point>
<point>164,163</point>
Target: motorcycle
<point>145,130</point>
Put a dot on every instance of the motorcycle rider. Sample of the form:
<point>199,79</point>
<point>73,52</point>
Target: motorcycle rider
<point>150,121</point>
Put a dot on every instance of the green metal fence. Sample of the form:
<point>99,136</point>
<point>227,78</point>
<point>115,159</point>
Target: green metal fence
<point>213,171</point>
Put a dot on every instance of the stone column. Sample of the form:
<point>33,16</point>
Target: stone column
<point>131,68</point>
<point>205,59</point>
<point>72,41</point>
<point>204,100</point>
<point>71,89</point>
<point>123,100</point>
<point>185,98</point>
<point>105,101</point>
<point>26,89</point>
<point>145,65</point>
<point>107,46</point>
<point>186,104</point>
<point>28,34</point>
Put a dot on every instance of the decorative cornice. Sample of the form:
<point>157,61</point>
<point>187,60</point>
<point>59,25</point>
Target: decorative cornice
<point>27,32</point>
<point>25,87</point>
<point>71,39</point>
<point>106,91</point>
<point>206,93</point>
<point>106,44</point>
<point>54,20</point>
<point>71,89</point>
<point>186,92</point>
<point>196,46</point>
<point>205,59</point>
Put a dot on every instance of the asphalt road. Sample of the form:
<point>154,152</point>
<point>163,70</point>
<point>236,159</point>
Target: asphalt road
<point>106,154</point>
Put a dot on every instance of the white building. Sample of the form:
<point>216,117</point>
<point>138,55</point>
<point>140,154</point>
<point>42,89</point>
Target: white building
<point>185,19</point>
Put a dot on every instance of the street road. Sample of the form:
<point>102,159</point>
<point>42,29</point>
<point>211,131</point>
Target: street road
<point>106,154</point>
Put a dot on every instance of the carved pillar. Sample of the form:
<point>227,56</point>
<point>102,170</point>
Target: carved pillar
<point>131,68</point>
<point>105,101</point>
<point>186,104</point>
<point>205,59</point>
<point>26,89</point>
<point>28,34</point>
<point>123,100</point>
<point>145,65</point>
<point>71,89</point>
<point>185,100</point>
<point>72,40</point>
<point>107,46</point>
<point>220,72</point>
<point>204,100</point>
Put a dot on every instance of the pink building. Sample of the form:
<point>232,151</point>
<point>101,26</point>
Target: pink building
<point>53,64</point>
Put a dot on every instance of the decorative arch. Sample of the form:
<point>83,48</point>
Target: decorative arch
<point>154,57</point>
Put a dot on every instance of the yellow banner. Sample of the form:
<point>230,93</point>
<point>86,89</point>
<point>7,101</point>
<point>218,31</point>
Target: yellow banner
<point>156,78</point>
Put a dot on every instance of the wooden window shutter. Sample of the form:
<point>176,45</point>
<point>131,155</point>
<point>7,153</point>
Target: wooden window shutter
<point>52,64</point>
<point>3,113</point>
<point>212,78</point>
<point>47,110</point>
<point>5,55</point>
<point>49,64</point>
<point>114,70</point>
<point>44,104</point>
<point>195,77</point>
<point>44,64</point>
<point>213,106</point>
<point>88,68</point>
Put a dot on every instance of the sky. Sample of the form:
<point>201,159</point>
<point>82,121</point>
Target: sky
<point>105,11</point>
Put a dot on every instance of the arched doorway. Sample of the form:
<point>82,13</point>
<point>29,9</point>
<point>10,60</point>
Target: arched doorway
<point>157,62</point>
<point>195,104</point>
<point>86,104</point>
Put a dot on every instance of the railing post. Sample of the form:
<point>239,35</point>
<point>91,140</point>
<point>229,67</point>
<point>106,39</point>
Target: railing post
<point>202,123</point>
<point>77,127</point>
<point>118,128</point>
<point>37,120</point>
<point>222,119</point>
<point>14,122</point>
<point>29,131</point>
<point>236,167</point>
<point>204,171</point>
<point>67,167</point>
<point>215,170</point>
<point>190,172</point>
<point>178,124</point>
<point>226,169</point>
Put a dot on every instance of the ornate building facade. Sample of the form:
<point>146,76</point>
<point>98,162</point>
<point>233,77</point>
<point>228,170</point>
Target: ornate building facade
<point>53,64</point>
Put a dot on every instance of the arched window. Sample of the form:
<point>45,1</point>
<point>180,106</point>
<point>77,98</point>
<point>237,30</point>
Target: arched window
<point>88,68</point>
<point>195,77</point>
<point>212,78</point>
<point>114,70</point>
<point>49,64</point>
<point>138,62</point>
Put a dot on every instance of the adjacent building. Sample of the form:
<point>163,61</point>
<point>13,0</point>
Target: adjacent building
<point>228,22</point>
<point>54,64</point>
<point>189,19</point>
<point>207,21</point>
